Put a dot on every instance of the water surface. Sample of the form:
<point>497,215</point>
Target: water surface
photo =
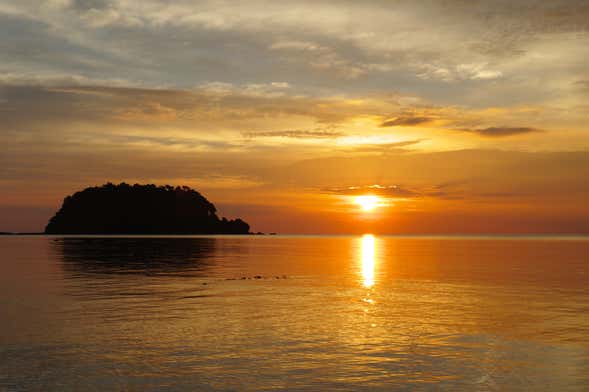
<point>296,313</point>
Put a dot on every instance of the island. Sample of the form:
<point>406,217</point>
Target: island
<point>140,209</point>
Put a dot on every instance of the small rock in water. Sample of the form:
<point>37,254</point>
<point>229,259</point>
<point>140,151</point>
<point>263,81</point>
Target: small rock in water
<point>257,277</point>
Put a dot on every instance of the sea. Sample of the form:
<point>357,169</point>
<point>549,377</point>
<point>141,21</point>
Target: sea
<point>295,313</point>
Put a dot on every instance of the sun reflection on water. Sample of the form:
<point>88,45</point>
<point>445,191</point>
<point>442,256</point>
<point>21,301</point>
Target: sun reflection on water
<point>368,251</point>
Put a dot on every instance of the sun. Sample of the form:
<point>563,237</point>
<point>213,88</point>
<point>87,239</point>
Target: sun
<point>367,202</point>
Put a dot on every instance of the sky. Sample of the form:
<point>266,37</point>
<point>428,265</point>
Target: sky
<point>462,116</point>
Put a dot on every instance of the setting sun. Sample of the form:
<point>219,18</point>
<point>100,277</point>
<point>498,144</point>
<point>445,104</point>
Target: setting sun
<point>368,203</point>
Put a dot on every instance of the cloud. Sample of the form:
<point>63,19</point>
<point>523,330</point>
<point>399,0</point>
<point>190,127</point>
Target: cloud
<point>213,107</point>
<point>321,58</point>
<point>168,141</point>
<point>393,191</point>
<point>86,5</point>
<point>150,111</point>
<point>396,191</point>
<point>297,134</point>
<point>312,46</point>
<point>269,90</point>
<point>297,45</point>
<point>395,147</point>
<point>583,85</point>
<point>406,121</point>
<point>502,131</point>
<point>458,72</point>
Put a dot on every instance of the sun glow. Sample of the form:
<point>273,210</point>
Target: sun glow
<point>368,202</point>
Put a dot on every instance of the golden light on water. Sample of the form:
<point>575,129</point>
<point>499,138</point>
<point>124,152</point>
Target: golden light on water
<point>368,256</point>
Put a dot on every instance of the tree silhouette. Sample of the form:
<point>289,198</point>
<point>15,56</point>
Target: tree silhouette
<point>140,209</point>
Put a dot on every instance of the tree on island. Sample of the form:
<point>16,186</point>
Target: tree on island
<point>140,209</point>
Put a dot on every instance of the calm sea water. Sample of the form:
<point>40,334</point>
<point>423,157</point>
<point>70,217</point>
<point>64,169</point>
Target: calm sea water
<point>295,313</point>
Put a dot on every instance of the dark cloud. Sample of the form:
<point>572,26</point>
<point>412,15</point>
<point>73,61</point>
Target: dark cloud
<point>393,191</point>
<point>406,121</point>
<point>502,131</point>
<point>297,134</point>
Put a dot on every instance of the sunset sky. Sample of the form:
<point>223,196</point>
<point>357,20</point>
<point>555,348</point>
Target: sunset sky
<point>460,116</point>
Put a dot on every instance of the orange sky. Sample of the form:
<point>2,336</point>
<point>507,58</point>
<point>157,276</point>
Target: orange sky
<point>282,112</point>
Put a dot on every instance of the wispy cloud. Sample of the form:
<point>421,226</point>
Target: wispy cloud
<point>392,191</point>
<point>150,111</point>
<point>406,121</point>
<point>582,84</point>
<point>395,147</point>
<point>296,134</point>
<point>501,131</point>
<point>440,191</point>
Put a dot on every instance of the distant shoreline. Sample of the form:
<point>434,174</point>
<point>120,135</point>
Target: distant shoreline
<point>293,235</point>
<point>126,235</point>
<point>9,233</point>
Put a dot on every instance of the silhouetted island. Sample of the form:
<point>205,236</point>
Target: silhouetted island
<point>140,209</point>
